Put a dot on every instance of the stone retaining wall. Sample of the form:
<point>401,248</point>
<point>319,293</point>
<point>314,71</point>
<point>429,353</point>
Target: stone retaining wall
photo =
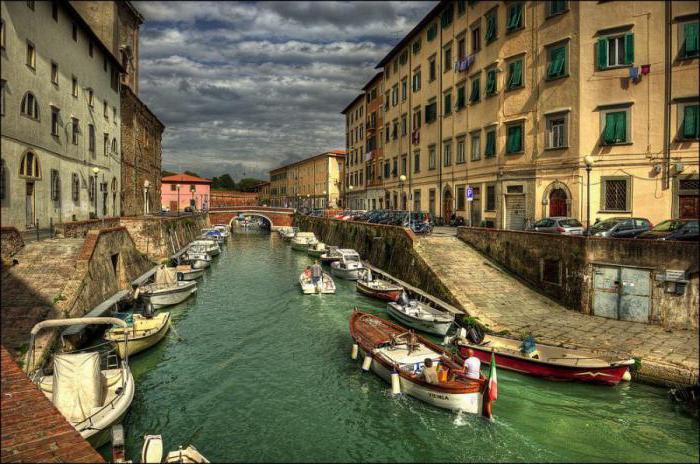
<point>160,237</point>
<point>10,242</point>
<point>79,229</point>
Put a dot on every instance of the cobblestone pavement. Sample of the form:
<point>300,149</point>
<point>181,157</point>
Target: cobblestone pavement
<point>504,303</point>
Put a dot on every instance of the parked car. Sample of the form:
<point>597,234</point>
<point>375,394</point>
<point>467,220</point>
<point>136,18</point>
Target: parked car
<point>674,229</point>
<point>620,227</point>
<point>558,225</point>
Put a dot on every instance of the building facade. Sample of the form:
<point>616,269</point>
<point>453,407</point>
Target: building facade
<point>182,191</point>
<point>314,182</point>
<point>61,117</point>
<point>521,101</point>
<point>354,194</point>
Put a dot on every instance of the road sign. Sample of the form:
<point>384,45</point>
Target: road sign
<point>470,194</point>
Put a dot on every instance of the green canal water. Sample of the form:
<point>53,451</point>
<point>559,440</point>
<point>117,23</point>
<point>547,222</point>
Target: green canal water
<point>262,373</point>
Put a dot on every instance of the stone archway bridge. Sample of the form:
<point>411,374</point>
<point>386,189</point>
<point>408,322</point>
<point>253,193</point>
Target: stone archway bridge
<point>278,217</point>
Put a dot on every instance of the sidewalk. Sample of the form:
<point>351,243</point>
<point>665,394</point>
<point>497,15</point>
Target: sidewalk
<point>504,303</point>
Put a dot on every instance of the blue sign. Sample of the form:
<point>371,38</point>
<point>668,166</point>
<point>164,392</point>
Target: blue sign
<point>470,194</point>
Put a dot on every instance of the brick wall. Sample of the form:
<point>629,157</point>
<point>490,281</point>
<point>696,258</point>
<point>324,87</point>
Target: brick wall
<point>10,241</point>
<point>79,229</point>
<point>222,198</point>
<point>160,237</point>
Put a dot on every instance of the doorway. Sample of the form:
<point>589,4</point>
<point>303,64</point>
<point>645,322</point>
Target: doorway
<point>29,205</point>
<point>622,293</point>
<point>515,212</point>
<point>447,204</point>
<point>557,203</point>
<point>173,206</point>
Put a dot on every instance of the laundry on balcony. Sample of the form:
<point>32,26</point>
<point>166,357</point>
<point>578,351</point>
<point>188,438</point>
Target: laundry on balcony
<point>368,156</point>
<point>464,63</point>
<point>415,137</point>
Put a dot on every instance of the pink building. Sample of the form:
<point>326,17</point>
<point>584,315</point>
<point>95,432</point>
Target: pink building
<point>182,190</point>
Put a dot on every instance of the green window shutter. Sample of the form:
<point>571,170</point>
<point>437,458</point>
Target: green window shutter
<point>491,82</point>
<point>690,122</point>
<point>490,149</point>
<point>490,27</point>
<point>515,139</point>
<point>475,90</point>
<point>515,16</point>
<point>432,32</point>
<point>460,97</point>
<point>515,74</point>
<point>557,62</point>
<point>602,59</point>
<point>690,31</point>
<point>609,131</point>
<point>629,48</point>
<point>615,128</point>
<point>448,103</point>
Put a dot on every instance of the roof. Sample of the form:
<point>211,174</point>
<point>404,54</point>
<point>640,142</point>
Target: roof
<point>335,153</point>
<point>185,179</point>
<point>407,38</point>
<point>373,80</point>
<point>84,24</point>
<point>362,95</point>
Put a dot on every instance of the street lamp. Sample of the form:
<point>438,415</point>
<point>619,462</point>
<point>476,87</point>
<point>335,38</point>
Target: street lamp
<point>402,179</point>
<point>348,202</point>
<point>177,187</point>
<point>95,171</point>
<point>193,189</point>
<point>589,165</point>
<point>146,185</point>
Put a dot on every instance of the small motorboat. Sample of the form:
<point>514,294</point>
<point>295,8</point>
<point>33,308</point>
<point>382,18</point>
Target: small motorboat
<point>325,286</point>
<point>209,246</point>
<point>213,234</point>
<point>397,356</point>
<point>381,289</point>
<point>419,315</point>
<point>197,259</point>
<point>92,388</point>
<point>188,272</point>
<point>550,362</point>
<point>303,240</point>
<point>687,397</point>
<point>167,290</point>
<point>152,452</point>
<point>223,229</point>
<point>316,250</point>
<point>288,233</point>
<point>348,266</point>
<point>330,256</point>
<point>143,331</point>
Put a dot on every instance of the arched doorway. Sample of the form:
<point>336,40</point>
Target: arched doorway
<point>447,204</point>
<point>30,170</point>
<point>558,205</point>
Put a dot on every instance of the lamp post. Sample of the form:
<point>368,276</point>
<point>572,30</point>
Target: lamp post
<point>146,185</point>
<point>349,188</point>
<point>589,165</point>
<point>193,189</point>
<point>95,171</point>
<point>177,187</point>
<point>402,180</point>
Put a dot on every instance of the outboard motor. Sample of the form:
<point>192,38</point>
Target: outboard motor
<point>148,310</point>
<point>403,299</point>
<point>180,276</point>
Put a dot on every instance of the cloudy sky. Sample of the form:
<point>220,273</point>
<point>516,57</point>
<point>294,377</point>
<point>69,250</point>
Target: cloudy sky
<point>244,87</point>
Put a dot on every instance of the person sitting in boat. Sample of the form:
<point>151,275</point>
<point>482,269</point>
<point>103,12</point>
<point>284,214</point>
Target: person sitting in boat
<point>316,273</point>
<point>307,272</point>
<point>529,348</point>
<point>430,372</point>
<point>472,365</point>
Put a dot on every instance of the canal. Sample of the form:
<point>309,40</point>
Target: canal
<point>257,372</point>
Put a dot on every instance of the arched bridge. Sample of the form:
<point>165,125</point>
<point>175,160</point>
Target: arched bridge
<point>278,217</point>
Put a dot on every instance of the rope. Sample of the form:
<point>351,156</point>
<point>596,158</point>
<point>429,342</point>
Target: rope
<point>179,338</point>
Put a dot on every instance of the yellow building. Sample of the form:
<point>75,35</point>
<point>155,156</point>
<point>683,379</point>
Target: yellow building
<point>313,182</point>
<point>354,194</point>
<point>517,99</point>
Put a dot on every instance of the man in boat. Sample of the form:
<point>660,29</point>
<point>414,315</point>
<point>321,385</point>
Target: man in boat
<point>307,272</point>
<point>430,372</point>
<point>472,365</point>
<point>316,273</point>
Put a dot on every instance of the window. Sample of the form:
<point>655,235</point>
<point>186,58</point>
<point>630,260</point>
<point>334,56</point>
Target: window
<point>2,34</point>
<point>515,74</point>
<point>386,169</point>
<point>461,7</point>
<point>556,66</point>
<point>461,97</point>
<point>55,112</point>
<point>404,89</point>
<point>556,7</point>
<point>448,60</point>
<point>386,132</point>
<point>491,87</point>
<point>447,108</point>
<point>556,131</point>
<point>476,146</point>
<point>416,161</point>
<point>91,98</point>
<point>689,39</point>
<point>90,49</point>
<point>491,26</point>
<point>615,51</point>
<point>431,33</point>
<point>615,129</point>
<point>416,81</point>
<point>29,166</point>
<point>404,165</point>
<point>430,112</point>
<point>446,17</point>
<point>615,193</point>
<point>105,110</point>
<point>105,144</point>
<point>404,125</point>
<point>690,122</point>
<point>29,106</point>
<point>416,119</point>
<point>395,167</point>
<point>490,150</point>
<point>54,73</point>
<point>31,55</point>
<point>431,69</point>
<point>431,157</point>
<point>461,48</point>
<point>490,198</point>
<point>447,153</point>
<point>476,87</point>
<point>514,141</point>
<point>416,47</point>
<point>461,197</point>
<point>460,151</point>
<point>396,66</point>
<point>395,130</point>
<point>476,38</point>
<point>91,188</point>
<point>403,58</point>
<point>75,32</point>
<point>2,97</point>
<point>55,185</point>
<point>75,126</point>
<point>515,17</point>
<point>91,139</point>
<point>395,95</point>
<point>74,87</point>
<point>54,10</point>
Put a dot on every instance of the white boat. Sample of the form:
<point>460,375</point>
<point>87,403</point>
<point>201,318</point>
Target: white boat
<point>223,230</point>
<point>288,233</point>
<point>189,455</point>
<point>167,290</point>
<point>143,332</point>
<point>348,266</point>
<point>303,240</point>
<point>420,315</point>
<point>213,235</point>
<point>330,256</point>
<point>211,247</point>
<point>188,272</point>
<point>326,285</point>
<point>197,259</point>
<point>316,250</point>
<point>93,390</point>
<point>152,452</point>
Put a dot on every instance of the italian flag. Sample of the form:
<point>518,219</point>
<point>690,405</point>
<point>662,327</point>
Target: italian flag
<point>493,380</point>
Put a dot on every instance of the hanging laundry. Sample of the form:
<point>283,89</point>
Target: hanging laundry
<point>634,72</point>
<point>469,61</point>
<point>646,69</point>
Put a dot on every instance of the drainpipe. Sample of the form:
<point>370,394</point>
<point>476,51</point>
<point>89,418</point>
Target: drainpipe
<point>667,97</point>
<point>440,118</point>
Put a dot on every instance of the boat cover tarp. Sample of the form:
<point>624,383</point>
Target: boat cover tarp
<point>166,275</point>
<point>77,384</point>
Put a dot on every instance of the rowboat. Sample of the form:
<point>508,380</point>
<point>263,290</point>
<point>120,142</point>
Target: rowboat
<point>302,241</point>
<point>397,356</point>
<point>330,256</point>
<point>142,333</point>
<point>420,316</point>
<point>93,389</point>
<point>550,362</point>
<point>381,289</point>
<point>167,290</point>
<point>152,452</point>
<point>348,266</point>
<point>316,250</point>
<point>326,285</point>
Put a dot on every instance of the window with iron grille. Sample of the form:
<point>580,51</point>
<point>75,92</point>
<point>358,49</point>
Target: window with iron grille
<point>75,187</point>
<point>615,194</point>
<point>689,184</point>
<point>490,198</point>
<point>55,185</point>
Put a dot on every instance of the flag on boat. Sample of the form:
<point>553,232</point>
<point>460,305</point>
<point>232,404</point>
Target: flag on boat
<point>493,380</point>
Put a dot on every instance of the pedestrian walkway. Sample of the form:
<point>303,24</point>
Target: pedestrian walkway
<point>504,303</point>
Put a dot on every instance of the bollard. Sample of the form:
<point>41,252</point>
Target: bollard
<point>355,350</point>
<point>367,363</point>
<point>395,384</point>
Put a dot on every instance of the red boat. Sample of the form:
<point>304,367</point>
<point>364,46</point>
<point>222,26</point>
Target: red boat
<point>548,361</point>
<point>380,289</point>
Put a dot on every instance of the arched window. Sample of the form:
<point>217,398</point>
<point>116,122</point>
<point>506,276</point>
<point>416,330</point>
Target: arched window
<point>114,145</point>
<point>29,167</point>
<point>30,106</point>
<point>114,184</point>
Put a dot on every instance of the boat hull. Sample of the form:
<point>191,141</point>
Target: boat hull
<point>193,274</point>
<point>300,246</point>
<point>160,299</point>
<point>437,328</point>
<point>347,274</point>
<point>200,264</point>
<point>386,295</point>
<point>315,253</point>
<point>136,345</point>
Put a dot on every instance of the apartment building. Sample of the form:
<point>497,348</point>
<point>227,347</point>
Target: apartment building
<point>522,101</point>
<point>60,115</point>
<point>354,188</point>
<point>314,182</point>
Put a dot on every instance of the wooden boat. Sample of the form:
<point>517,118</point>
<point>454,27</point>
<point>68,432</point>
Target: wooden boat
<point>152,452</point>
<point>330,256</point>
<point>553,362</point>
<point>348,266</point>
<point>196,258</point>
<point>211,247</point>
<point>303,240</point>
<point>167,290</point>
<point>316,250</point>
<point>326,285</point>
<point>381,289</point>
<point>288,233</point>
<point>142,333</point>
<point>188,272</point>
<point>92,389</point>
<point>390,349</point>
<point>189,455</point>
<point>420,316</point>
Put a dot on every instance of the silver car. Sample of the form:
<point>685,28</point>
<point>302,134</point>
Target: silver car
<point>558,225</point>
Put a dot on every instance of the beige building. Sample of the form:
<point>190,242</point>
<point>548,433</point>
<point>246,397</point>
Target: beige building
<point>61,118</point>
<point>313,182</point>
<point>511,99</point>
<point>354,194</point>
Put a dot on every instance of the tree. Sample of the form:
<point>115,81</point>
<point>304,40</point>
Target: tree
<point>165,173</point>
<point>249,184</point>
<point>224,182</point>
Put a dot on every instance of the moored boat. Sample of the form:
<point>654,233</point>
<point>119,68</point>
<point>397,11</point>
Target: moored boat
<point>211,247</point>
<point>142,333</point>
<point>197,259</point>
<point>316,250</point>
<point>419,315</point>
<point>330,256</point>
<point>397,356</point>
<point>288,233</point>
<point>188,272</point>
<point>152,452</point>
<point>325,285</point>
<point>167,290</point>
<point>348,266</point>
<point>302,241</point>
<point>381,289</point>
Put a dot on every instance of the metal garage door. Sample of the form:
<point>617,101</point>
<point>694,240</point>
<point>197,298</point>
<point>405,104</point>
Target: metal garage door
<point>606,294</point>
<point>622,293</point>
<point>515,212</point>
